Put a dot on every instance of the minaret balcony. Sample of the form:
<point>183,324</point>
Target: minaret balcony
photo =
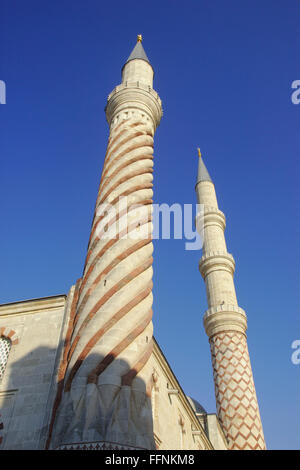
<point>211,216</point>
<point>225,318</point>
<point>135,98</point>
<point>135,84</point>
<point>216,261</point>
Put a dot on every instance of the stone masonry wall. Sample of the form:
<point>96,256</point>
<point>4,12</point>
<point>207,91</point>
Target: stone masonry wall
<point>27,379</point>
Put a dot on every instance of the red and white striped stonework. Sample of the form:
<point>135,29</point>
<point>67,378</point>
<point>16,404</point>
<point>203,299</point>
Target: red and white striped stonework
<point>236,400</point>
<point>113,311</point>
<point>109,339</point>
<point>105,375</point>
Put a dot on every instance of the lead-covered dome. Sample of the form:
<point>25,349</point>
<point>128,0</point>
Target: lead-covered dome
<point>196,406</point>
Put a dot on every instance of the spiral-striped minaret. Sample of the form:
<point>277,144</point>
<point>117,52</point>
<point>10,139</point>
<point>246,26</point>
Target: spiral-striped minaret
<point>225,324</point>
<point>102,400</point>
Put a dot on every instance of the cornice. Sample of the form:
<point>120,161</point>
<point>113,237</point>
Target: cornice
<point>32,306</point>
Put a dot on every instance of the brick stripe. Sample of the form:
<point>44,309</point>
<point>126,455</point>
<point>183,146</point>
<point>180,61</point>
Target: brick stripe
<point>125,179</point>
<point>119,143</point>
<point>129,376</point>
<point>145,202</point>
<point>106,176</point>
<point>106,167</point>
<point>119,285</point>
<point>63,364</point>
<point>67,345</point>
<point>109,324</point>
<point>114,137</point>
<point>124,165</point>
<point>128,192</point>
<point>109,268</point>
<point>94,374</point>
<point>123,153</point>
<point>125,193</point>
<point>106,247</point>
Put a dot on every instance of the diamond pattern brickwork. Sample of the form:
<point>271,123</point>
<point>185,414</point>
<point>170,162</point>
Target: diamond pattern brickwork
<point>5,345</point>
<point>236,400</point>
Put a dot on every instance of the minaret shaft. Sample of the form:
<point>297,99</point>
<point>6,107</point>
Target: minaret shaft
<point>106,375</point>
<point>225,324</point>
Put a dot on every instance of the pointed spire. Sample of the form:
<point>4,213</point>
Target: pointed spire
<point>138,51</point>
<point>203,174</point>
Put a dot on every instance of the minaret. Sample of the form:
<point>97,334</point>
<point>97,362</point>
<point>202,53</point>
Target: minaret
<point>225,324</point>
<point>103,399</point>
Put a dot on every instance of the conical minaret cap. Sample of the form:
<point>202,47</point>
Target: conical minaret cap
<point>203,174</point>
<point>138,51</point>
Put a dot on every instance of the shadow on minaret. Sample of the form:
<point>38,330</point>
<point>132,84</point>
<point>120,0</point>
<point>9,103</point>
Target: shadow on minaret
<point>101,415</point>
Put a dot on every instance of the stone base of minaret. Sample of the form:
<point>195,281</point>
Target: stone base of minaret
<point>104,417</point>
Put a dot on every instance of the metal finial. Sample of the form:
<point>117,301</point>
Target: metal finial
<point>139,38</point>
<point>199,152</point>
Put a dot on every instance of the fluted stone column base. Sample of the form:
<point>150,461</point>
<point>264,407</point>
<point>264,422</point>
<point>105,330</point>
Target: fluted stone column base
<point>104,415</point>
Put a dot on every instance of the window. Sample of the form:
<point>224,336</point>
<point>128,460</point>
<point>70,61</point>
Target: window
<point>5,345</point>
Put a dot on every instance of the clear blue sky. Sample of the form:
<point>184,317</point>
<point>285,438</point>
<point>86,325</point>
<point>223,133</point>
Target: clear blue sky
<point>224,72</point>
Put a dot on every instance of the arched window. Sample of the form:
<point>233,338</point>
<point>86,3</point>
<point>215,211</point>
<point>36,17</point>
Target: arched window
<point>5,345</point>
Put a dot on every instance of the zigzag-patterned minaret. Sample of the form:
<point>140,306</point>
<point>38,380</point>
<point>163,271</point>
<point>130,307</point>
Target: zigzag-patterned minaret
<point>225,324</point>
<point>102,400</point>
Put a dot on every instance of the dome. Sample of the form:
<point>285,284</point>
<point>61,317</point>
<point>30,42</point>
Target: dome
<point>196,406</point>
